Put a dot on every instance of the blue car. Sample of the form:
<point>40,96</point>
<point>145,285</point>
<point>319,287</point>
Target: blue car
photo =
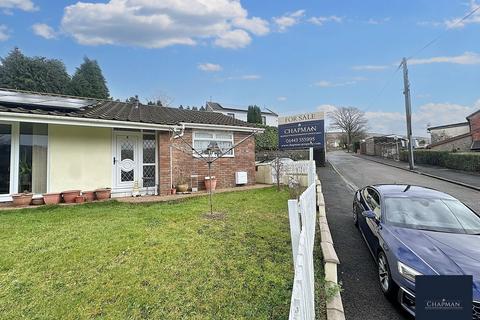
<point>412,230</point>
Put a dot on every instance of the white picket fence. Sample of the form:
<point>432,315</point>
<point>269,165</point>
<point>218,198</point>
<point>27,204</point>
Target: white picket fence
<point>302,167</point>
<point>302,214</point>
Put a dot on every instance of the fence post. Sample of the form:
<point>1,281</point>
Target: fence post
<point>294,227</point>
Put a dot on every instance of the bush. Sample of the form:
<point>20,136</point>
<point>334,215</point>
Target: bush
<point>454,160</point>
<point>267,140</point>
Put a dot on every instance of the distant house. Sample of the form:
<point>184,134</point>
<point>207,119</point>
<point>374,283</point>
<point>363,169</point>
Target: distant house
<point>463,137</point>
<point>269,117</point>
<point>53,143</point>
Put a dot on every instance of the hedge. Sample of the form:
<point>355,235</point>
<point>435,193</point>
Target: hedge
<point>454,160</point>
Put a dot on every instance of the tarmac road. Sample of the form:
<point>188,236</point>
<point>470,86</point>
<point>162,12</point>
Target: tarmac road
<point>362,297</point>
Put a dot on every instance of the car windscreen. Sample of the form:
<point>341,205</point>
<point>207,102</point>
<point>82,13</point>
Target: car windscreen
<point>443,215</point>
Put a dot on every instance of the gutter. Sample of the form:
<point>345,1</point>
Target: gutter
<point>221,127</point>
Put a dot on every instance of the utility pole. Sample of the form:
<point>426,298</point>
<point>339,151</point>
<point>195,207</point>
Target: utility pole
<point>408,112</point>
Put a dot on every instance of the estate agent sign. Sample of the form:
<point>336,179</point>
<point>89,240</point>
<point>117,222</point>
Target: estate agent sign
<point>301,131</point>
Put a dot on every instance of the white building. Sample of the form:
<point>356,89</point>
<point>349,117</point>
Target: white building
<point>269,117</point>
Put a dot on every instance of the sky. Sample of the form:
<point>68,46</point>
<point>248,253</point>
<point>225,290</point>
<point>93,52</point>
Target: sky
<point>290,56</point>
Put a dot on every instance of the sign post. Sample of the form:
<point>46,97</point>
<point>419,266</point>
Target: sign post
<point>302,131</point>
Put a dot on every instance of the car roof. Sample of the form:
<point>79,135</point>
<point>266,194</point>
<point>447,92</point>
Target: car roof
<point>405,190</point>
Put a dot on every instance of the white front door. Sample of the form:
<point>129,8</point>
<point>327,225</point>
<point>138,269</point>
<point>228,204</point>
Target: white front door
<point>126,160</point>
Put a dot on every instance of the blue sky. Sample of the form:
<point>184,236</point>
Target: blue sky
<point>290,56</point>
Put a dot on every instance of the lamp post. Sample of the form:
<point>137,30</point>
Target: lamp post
<point>212,149</point>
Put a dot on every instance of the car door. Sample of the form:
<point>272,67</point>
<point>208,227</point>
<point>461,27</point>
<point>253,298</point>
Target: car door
<point>370,227</point>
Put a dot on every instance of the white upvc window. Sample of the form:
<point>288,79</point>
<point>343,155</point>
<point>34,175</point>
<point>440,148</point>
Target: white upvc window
<point>202,139</point>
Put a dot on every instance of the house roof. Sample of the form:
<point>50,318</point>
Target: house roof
<point>218,107</point>
<point>453,125</point>
<point>122,111</point>
<point>471,115</point>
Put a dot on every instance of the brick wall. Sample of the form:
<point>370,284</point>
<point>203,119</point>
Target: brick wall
<point>475,126</point>
<point>223,169</point>
<point>462,145</point>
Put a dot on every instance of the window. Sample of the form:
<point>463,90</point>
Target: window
<point>373,200</point>
<point>202,139</point>
<point>5,148</point>
<point>149,143</point>
<point>32,170</point>
<point>264,119</point>
<point>231,115</point>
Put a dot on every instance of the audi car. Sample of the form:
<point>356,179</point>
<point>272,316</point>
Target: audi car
<point>413,230</point>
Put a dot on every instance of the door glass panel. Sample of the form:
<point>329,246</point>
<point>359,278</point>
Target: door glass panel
<point>127,150</point>
<point>5,149</point>
<point>127,175</point>
<point>148,148</point>
<point>32,171</point>
<point>127,160</point>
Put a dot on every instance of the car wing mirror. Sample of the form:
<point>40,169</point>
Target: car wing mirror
<point>369,214</point>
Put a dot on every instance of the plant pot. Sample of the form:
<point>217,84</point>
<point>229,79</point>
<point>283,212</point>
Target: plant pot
<point>38,201</point>
<point>210,182</point>
<point>173,191</point>
<point>182,187</point>
<point>80,199</point>
<point>22,199</point>
<point>89,195</point>
<point>70,195</point>
<point>52,198</point>
<point>103,194</point>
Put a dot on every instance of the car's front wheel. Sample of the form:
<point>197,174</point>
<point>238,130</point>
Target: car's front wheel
<point>389,288</point>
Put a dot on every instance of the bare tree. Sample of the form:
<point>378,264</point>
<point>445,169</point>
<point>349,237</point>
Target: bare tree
<point>161,98</point>
<point>278,170</point>
<point>351,120</point>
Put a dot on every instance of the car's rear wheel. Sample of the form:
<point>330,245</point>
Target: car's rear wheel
<point>389,288</point>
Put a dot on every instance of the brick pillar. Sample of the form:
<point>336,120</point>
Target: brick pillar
<point>164,162</point>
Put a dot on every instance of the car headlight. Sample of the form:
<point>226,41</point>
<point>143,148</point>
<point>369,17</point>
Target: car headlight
<point>407,272</point>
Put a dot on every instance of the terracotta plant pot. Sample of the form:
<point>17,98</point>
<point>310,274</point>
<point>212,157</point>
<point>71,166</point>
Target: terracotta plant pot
<point>173,191</point>
<point>52,198</point>
<point>182,187</point>
<point>38,201</point>
<point>89,195</point>
<point>210,182</point>
<point>22,199</point>
<point>70,195</point>
<point>80,199</point>
<point>103,194</point>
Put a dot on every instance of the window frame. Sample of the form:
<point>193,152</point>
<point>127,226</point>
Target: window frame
<point>214,133</point>
<point>231,114</point>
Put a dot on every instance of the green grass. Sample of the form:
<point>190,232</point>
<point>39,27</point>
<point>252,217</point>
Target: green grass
<point>148,261</point>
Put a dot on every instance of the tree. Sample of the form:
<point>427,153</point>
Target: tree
<point>254,114</point>
<point>38,74</point>
<point>88,81</point>
<point>351,120</point>
<point>268,140</point>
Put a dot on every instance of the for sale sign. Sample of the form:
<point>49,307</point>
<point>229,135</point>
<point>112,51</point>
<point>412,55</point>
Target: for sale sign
<point>301,131</point>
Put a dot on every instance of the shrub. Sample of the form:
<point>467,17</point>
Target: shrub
<point>468,161</point>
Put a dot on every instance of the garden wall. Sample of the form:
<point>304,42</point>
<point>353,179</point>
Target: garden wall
<point>454,160</point>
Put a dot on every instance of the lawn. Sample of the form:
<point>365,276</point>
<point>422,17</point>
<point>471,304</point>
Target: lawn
<point>148,261</point>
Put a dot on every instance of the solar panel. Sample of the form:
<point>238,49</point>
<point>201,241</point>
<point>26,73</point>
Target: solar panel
<point>40,100</point>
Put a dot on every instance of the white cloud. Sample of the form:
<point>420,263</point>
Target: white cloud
<point>209,67</point>
<point>288,20</point>
<point>370,67</point>
<point>25,5</point>
<point>44,30</point>
<point>466,58</point>
<point>320,21</point>
<point>282,98</point>
<point>458,23</point>
<point>377,21</point>
<point>329,84</point>
<point>247,77</point>
<point>4,34</point>
<point>157,24</point>
<point>233,39</point>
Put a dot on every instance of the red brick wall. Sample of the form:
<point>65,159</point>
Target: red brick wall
<point>223,169</point>
<point>475,126</point>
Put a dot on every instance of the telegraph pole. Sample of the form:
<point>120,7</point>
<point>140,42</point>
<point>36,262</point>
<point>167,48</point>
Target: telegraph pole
<point>408,111</point>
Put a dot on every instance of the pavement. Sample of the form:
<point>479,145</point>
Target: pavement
<point>469,179</point>
<point>361,295</point>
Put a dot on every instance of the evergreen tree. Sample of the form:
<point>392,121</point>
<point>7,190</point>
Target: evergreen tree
<point>88,81</point>
<point>39,74</point>
<point>254,114</point>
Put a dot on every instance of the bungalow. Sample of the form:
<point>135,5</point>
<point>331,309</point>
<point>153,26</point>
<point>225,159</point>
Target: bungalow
<point>53,143</point>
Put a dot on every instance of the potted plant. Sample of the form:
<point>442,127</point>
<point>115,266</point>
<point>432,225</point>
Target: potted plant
<point>38,201</point>
<point>52,198</point>
<point>210,182</point>
<point>173,190</point>
<point>181,179</point>
<point>22,199</point>
<point>89,195</point>
<point>103,193</point>
<point>70,195</point>
<point>80,199</point>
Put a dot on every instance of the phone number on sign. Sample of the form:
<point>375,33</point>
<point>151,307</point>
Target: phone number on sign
<point>300,140</point>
